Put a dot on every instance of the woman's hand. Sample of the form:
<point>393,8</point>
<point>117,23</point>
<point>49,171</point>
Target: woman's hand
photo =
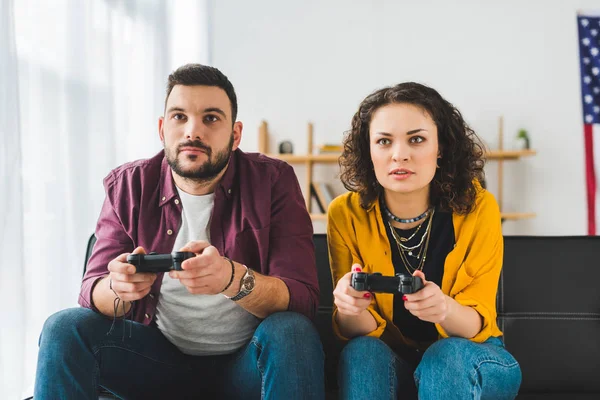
<point>347,300</point>
<point>428,304</point>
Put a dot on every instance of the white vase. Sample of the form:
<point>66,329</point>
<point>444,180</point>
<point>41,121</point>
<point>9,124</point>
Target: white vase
<point>520,144</point>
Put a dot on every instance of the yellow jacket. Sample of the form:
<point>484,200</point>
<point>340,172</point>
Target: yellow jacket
<point>471,271</point>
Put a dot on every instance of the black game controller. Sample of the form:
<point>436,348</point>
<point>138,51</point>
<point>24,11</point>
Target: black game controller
<point>399,283</point>
<point>159,262</point>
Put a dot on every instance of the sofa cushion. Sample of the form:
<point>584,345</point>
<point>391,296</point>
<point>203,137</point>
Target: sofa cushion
<point>549,311</point>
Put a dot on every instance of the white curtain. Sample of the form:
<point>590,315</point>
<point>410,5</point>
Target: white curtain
<point>82,84</point>
<point>12,282</point>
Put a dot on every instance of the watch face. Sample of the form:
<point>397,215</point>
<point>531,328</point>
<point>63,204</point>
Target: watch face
<point>248,283</point>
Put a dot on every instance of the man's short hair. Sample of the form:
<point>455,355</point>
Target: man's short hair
<point>198,74</point>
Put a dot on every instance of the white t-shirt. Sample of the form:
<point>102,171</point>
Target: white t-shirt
<point>200,324</point>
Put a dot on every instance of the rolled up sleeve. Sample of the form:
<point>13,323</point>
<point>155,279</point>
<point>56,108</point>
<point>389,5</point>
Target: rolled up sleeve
<point>341,259</point>
<point>476,284</point>
<point>291,246</point>
<point>111,241</point>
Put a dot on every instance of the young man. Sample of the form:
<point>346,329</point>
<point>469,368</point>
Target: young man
<point>233,323</point>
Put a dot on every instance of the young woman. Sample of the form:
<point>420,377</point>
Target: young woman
<point>416,206</point>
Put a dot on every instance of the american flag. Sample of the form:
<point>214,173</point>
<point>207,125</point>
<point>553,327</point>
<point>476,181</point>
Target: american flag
<point>589,61</point>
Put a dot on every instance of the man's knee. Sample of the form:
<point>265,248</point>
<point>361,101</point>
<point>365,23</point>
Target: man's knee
<point>287,329</point>
<point>63,325</point>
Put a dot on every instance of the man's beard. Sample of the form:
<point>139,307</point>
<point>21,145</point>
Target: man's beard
<point>206,172</point>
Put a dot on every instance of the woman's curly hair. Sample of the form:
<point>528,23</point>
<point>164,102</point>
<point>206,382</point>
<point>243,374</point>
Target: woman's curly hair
<point>462,155</point>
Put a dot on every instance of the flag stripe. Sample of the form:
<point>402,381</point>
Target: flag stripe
<point>596,186</point>
<point>590,176</point>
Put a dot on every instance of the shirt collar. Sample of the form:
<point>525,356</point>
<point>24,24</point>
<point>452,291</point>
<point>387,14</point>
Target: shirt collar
<point>167,184</point>
<point>228,179</point>
<point>374,206</point>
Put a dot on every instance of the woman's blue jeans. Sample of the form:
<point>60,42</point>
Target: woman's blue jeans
<point>452,368</point>
<point>283,360</point>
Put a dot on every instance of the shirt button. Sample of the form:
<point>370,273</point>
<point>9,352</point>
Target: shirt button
<point>151,296</point>
<point>169,232</point>
<point>164,198</point>
<point>147,316</point>
<point>176,201</point>
<point>229,191</point>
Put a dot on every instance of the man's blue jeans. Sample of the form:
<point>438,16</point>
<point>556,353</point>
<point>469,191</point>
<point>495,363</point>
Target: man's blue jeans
<point>283,360</point>
<point>452,368</point>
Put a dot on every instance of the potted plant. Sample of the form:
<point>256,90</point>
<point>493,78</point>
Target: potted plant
<point>522,140</point>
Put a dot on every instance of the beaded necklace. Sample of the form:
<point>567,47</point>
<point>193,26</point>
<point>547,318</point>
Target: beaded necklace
<point>402,220</point>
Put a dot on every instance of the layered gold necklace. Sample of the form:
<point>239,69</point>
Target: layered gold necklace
<point>420,249</point>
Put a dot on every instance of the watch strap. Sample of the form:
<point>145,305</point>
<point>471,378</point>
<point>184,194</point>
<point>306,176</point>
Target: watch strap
<point>243,291</point>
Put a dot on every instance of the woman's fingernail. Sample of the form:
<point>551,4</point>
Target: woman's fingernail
<point>367,295</point>
<point>404,298</point>
<point>356,269</point>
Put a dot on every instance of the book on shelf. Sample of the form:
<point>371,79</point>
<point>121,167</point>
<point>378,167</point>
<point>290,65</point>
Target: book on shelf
<point>330,148</point>
<point>322,194</point>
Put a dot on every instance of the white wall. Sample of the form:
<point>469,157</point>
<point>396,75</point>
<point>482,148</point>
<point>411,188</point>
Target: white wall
<point>298,61</point>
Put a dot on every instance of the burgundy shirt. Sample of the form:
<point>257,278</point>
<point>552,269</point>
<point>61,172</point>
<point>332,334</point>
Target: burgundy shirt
<point>259,219</point>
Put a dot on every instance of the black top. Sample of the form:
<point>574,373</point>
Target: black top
<point>441,242</point>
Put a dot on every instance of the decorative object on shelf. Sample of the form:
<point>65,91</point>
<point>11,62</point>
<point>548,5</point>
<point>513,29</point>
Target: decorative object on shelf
<point>286,147</point>
<point>330,148</point>
<point>522,140</point>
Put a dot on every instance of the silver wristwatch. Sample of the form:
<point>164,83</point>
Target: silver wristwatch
<point>246,285</point>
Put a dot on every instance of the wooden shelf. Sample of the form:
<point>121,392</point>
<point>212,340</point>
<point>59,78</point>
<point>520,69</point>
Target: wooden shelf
<point>509,154</point>
<point>318,217</point>
<point>516,216</point>
<point>333,157</point>
<point>295,159</point>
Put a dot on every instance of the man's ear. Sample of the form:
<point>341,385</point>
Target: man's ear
<point>161,134</point>
<point>237,134</point>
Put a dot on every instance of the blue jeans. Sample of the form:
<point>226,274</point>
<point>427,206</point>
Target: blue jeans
<point>452,368</point>
<point>283,360</point>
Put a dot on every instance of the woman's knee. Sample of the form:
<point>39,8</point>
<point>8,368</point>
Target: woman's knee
<point>458,359</point>
<point>364,350</point>
<point>451,354</point>
<point>369,368</point>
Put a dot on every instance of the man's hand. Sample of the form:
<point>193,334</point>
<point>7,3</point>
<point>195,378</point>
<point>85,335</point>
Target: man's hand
<point>126,283</point>
<point>207,273</point>
<point>428,304</point>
